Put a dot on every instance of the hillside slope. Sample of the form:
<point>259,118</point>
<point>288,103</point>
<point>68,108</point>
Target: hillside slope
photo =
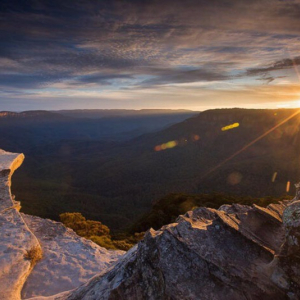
<point>122,179</point>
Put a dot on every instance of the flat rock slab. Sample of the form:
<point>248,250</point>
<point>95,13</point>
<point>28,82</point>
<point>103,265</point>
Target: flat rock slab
<point>68,260</point>
<point>8,160</point>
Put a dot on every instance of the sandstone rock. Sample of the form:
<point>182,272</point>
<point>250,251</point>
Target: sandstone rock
<point>68,260</point>
<point>287,271</point>
<point>207,254</point>
<point>18,244</point>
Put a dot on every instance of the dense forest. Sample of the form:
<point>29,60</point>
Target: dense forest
<point>164,211</point>
<point>116,182</point>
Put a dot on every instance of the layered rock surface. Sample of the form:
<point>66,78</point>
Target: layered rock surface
<point>17,241</point>
<point>67,259</point>
<point>230,253</point>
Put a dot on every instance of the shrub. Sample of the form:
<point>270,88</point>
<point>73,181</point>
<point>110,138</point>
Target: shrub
<point>83,227</point>
<point>122,245</point>
<point>34,255</point>
<point>98,233</point>
<point>104,241</point>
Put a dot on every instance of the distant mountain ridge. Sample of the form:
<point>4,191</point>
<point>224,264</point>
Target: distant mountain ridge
<point>22,131</point>
<point>101,113</point>
<point>29,114</point>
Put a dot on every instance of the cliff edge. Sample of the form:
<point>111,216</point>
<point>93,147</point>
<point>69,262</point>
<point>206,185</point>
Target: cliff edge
<point>40,257</point>
<point>236,252</point>
<point>19,248</point>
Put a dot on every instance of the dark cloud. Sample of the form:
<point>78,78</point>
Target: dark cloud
<point>277,66</point>
<point>27,81</point>
<point>172,75</point>
<point>269,79</point>
<point>100,79</point>
<point>43,42</point>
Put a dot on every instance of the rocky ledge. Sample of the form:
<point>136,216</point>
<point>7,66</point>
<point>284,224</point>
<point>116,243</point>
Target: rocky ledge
<point>235,252</point>
<point>68,259</point>
<point>41,257</point>
<point>17,243</point>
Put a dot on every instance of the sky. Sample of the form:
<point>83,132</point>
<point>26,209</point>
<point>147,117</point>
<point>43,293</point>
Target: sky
<point>191,54</point>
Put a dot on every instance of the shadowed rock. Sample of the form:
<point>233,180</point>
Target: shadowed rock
<point>230,253</point>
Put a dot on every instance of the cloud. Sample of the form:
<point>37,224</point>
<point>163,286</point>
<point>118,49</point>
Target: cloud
<point>277,66</point>
<point>175,75</point>
<point>143,44</point>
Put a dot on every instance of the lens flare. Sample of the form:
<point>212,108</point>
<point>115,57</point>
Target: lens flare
<point>274,176</point>
<point>181,142</point>
<point>251,143</point>
<point>168,145</point>
<point>234,178</point>
<point>288,184</point>
<point>231,126</point>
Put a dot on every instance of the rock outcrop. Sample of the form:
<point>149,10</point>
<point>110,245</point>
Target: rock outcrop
<point>207,254</point>
<point>68,259</point>
<point>235,252</point>
<point>19,248</point>
<point>41,257</point>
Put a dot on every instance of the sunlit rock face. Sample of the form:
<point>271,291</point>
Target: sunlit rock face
<point>230,253</point>
<point>16,240</point>
<point>68,260</point>
<point>41,257</point>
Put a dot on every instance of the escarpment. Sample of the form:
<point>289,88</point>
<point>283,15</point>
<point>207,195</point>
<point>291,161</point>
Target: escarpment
<point>17,243</point>
<point>206,254</point>
<point>41,257</point>
<point>234,252</point>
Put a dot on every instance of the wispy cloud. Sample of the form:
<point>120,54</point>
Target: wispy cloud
<point>141,45</point>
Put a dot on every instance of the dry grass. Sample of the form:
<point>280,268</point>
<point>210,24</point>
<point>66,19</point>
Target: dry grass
<point>34,255</point>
